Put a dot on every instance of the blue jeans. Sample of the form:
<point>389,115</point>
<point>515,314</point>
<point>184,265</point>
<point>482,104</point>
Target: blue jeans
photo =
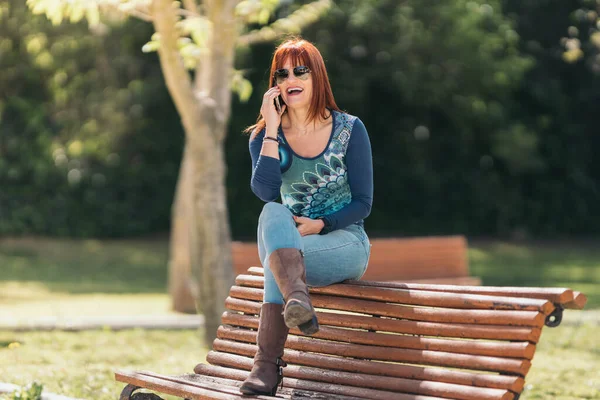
<point>331,258</point>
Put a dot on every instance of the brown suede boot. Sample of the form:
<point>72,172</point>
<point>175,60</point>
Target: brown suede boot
<point>267,371</point>
<point>287,266</point>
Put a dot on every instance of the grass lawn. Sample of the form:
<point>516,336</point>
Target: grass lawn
<point>52,277</point>
<point>82,364</point>
<point>574,265</point>
<point>58,277</point>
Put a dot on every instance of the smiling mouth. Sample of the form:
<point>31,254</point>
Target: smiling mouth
<point>293,91</point>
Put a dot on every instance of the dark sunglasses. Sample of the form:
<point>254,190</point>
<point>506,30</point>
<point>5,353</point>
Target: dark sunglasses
<point>300,72</point>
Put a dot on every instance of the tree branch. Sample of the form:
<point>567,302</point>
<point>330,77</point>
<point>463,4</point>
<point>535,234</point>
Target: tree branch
<point>191,7</point>
<point>178,81</point>
<point>223,42</point>
<point>187,13</point>
<point>138,14</point>
<point>294,23</point>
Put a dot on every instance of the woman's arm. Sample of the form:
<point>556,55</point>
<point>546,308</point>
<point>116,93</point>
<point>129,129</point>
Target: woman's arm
<point>266,172</point>
<point>359,163</point>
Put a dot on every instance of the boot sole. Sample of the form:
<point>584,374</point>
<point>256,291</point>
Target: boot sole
<point>311,327</point>
<point>255,392</point>
<point>297,315</point>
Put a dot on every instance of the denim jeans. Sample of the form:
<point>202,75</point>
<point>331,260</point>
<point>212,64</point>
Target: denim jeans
<point>331,258</point>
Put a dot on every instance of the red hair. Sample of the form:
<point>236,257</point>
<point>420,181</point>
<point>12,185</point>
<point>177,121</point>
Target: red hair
<point>302,52</point>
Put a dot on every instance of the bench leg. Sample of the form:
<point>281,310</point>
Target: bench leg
<point>555,318</point>
<point>127,394</point>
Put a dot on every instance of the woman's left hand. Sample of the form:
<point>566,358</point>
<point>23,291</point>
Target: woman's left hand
<point>307,226</point>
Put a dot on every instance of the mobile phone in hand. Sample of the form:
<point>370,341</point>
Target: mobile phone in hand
<point>278,104</point>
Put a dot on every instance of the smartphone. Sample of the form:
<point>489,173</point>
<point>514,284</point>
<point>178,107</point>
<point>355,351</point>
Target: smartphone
<point>278,101</point>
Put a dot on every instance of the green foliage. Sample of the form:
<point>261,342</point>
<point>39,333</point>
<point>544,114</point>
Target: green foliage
<point>256,11</point>
<point>74,11</point>
<point>33,391</point>
<point>291,21</point>
<point>582,40</point>
<point>433,83</point>
<point>478,125</point>
<point>79,155</point>
<point>558,102</point>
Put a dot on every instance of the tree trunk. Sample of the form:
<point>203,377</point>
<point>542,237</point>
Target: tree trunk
<point>211,234</point>
<point>203,115</point>
<point>210,237</point>
<point>204,110</point>
<point>182,288</point>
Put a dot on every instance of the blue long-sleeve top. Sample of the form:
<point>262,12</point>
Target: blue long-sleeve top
<point>336,185</point>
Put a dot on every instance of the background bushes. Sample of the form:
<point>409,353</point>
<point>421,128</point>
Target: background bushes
<point>478,125</point>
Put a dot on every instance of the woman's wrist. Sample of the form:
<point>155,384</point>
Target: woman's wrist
<point>269,139</point>
<point>326,227</point>
<point>270,132</point>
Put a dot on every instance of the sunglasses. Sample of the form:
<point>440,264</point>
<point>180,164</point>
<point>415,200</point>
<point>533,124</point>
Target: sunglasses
<point>300,72</point>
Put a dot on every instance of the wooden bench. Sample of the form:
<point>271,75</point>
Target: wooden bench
<point>381,340</point>
<point>434,259</point>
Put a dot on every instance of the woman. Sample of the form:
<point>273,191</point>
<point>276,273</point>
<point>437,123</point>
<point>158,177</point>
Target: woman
<point>318,159</point>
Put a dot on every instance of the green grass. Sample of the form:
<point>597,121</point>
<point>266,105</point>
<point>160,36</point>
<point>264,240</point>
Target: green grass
<point>86,266</point>
<point>574,265</point>
<point>82,364</point>
<point>61,278</point>
<point>52,277</point>
<point>566,365</point>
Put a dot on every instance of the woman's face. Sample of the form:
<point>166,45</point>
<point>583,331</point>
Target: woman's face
<point>296,93</point>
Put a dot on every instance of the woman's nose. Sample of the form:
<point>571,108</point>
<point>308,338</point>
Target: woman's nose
<point>291,77</point>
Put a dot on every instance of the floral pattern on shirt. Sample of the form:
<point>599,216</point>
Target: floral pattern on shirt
<point>317,187</point>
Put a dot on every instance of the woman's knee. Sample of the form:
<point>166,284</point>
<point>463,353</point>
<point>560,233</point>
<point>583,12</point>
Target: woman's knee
<point>277,229</point>
<point>274,207</point>
<point>274,210</point>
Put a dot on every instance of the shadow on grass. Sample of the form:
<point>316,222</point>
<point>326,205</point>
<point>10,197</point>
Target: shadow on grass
<point>86,266</point>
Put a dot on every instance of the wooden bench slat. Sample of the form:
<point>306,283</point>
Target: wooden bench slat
<point>294,383</point>
<point>524,350</point>
<point>429,314</point>
<point>193,392</point>
<point>419,297</point>
<point>555,295</point>
<point>402,385</point>
<point>288,392</point>
<point>567,298</point>
<point>416,357</point>
<point>509,382</point>
<point>578,301</point>
<point>466,331</point>
<point>228,387</point>
<point>371,347</point>
<point>456,280</point>
<point>189,383</point>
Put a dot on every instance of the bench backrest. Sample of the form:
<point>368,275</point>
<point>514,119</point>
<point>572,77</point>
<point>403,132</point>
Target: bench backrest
<point>386,339</point>
<point>418,258</point>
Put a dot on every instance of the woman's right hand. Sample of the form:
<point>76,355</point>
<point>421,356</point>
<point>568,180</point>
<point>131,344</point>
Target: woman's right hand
<point>268,110</point>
